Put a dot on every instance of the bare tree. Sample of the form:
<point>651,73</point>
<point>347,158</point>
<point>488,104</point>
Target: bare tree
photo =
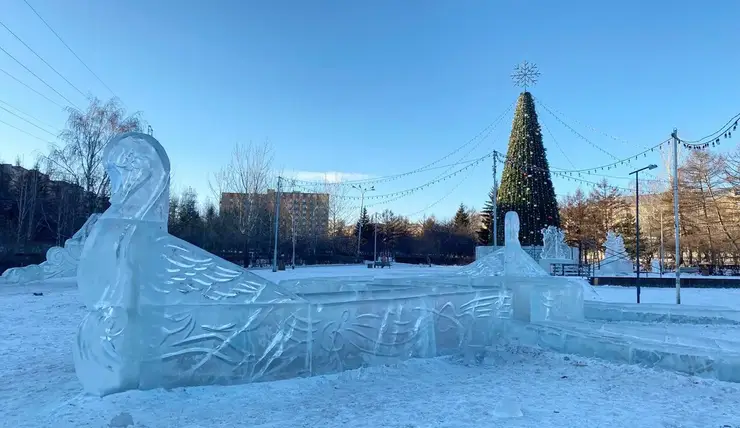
<point>339,206</point>
<point>79,160</point>
<point>20,191</point>
<point>243,184</point>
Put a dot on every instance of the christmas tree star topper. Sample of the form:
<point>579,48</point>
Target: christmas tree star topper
<point>525,75</point>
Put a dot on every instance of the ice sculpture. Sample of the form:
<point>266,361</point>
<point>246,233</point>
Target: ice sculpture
<point>554,248</point>
<point>616,260</point>
<point>510,260</point>
<point>164,313</point>
<point>553,244</point>
<point>537,296</point>
<point>655,266</point>
<point>61,262</point>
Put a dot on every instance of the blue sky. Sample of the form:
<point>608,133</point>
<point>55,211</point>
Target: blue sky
<point>379,87</point>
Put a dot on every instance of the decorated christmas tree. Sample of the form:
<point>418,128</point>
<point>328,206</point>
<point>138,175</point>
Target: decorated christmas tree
<point>526,186</point>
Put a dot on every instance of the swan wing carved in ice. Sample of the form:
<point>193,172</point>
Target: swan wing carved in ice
<point>185,270</point>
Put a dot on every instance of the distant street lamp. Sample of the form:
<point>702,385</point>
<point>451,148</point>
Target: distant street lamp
<point>362,203</point>
<point>637,223</point>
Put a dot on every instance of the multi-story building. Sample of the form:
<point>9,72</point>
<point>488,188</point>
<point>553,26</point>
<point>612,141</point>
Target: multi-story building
<point>309,212</point>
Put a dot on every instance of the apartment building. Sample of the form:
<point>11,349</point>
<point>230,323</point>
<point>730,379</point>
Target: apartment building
<point>308,212</point>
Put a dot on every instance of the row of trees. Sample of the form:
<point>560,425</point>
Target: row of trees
<point>45,203</point>
<point>709,212</point>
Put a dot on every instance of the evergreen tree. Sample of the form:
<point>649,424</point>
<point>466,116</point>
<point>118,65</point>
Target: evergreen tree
<point>526,186</point>
<point>367,229</point>
<point>461,222</point>
<point>485,233</point>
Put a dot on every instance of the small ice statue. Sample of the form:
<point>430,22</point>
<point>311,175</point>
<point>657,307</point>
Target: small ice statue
<point>553,244</point>
<point>616,260</point>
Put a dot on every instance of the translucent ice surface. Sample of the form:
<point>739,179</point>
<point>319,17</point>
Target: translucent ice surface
<point>61,262</point>
<point>658,312</point>
<point>163,312</point>
<point>666,347</point>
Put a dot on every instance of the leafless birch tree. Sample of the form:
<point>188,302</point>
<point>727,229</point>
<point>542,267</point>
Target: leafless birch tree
<point>79,159</point>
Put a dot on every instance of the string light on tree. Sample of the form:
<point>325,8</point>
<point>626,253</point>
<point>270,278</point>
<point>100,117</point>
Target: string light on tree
<point>526,186</point>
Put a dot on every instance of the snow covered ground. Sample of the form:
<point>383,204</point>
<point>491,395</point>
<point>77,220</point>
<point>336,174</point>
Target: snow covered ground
<point>39,387</point>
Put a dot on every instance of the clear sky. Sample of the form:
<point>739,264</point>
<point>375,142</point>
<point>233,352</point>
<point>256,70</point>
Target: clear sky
<point>378,87</point>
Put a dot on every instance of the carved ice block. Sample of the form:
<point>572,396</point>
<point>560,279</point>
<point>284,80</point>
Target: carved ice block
<point>61,262</point>
<point>163,312</point>
<point>250,343</point>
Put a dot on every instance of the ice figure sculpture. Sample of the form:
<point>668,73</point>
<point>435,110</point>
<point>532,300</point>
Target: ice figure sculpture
<point>537,296</point>
<point>616,260</point>
<point>61,262</point>
<point>553,244</point>
<point>165,313</point>
<point>554,248</point>
<point>510,260</point>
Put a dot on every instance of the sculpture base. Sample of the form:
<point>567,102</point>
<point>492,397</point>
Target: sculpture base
<point>205,344</point>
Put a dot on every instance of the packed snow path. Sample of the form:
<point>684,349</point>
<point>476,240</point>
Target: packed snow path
<point>40,389</point>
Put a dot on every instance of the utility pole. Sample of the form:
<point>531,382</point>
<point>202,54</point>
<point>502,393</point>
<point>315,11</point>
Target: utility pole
<point>277,223</point>
<point>494,215</point>
<point>375,239</point>
<point>293,232</point>
<point>674,135</point>
<point>662,251</point>
<point>362,205</point>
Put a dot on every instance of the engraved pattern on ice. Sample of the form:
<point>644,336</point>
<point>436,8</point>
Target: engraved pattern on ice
<point>163,312</point>
<point>61,262</point>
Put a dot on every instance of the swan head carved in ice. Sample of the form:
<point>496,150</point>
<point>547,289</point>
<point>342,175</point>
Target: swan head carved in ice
<point>511,229</point>
<point>139,172</point>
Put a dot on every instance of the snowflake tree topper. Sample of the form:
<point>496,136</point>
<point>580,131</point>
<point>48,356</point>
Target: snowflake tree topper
<point>525,75</point>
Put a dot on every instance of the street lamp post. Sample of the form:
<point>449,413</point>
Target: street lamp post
<point>375,239</point>
<point>637,223</point>
<point>362,203</point>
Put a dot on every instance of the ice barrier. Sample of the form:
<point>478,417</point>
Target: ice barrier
<point>164,313</point>
<point>709,358</point>
<point>660,313</point>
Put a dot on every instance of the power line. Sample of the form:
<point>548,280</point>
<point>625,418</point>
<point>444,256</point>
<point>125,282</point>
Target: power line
<point>42,59</point>
<point>27,121</point>
<point>487,131</point>
<point>23,131</point>
<point>26,114</point>
<point>69,48</point>
<point>36,76</point>
<point>32,89</point>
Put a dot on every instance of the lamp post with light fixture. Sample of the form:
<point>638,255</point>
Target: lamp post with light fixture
<point>362,205</point>
<point>637,224</point>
